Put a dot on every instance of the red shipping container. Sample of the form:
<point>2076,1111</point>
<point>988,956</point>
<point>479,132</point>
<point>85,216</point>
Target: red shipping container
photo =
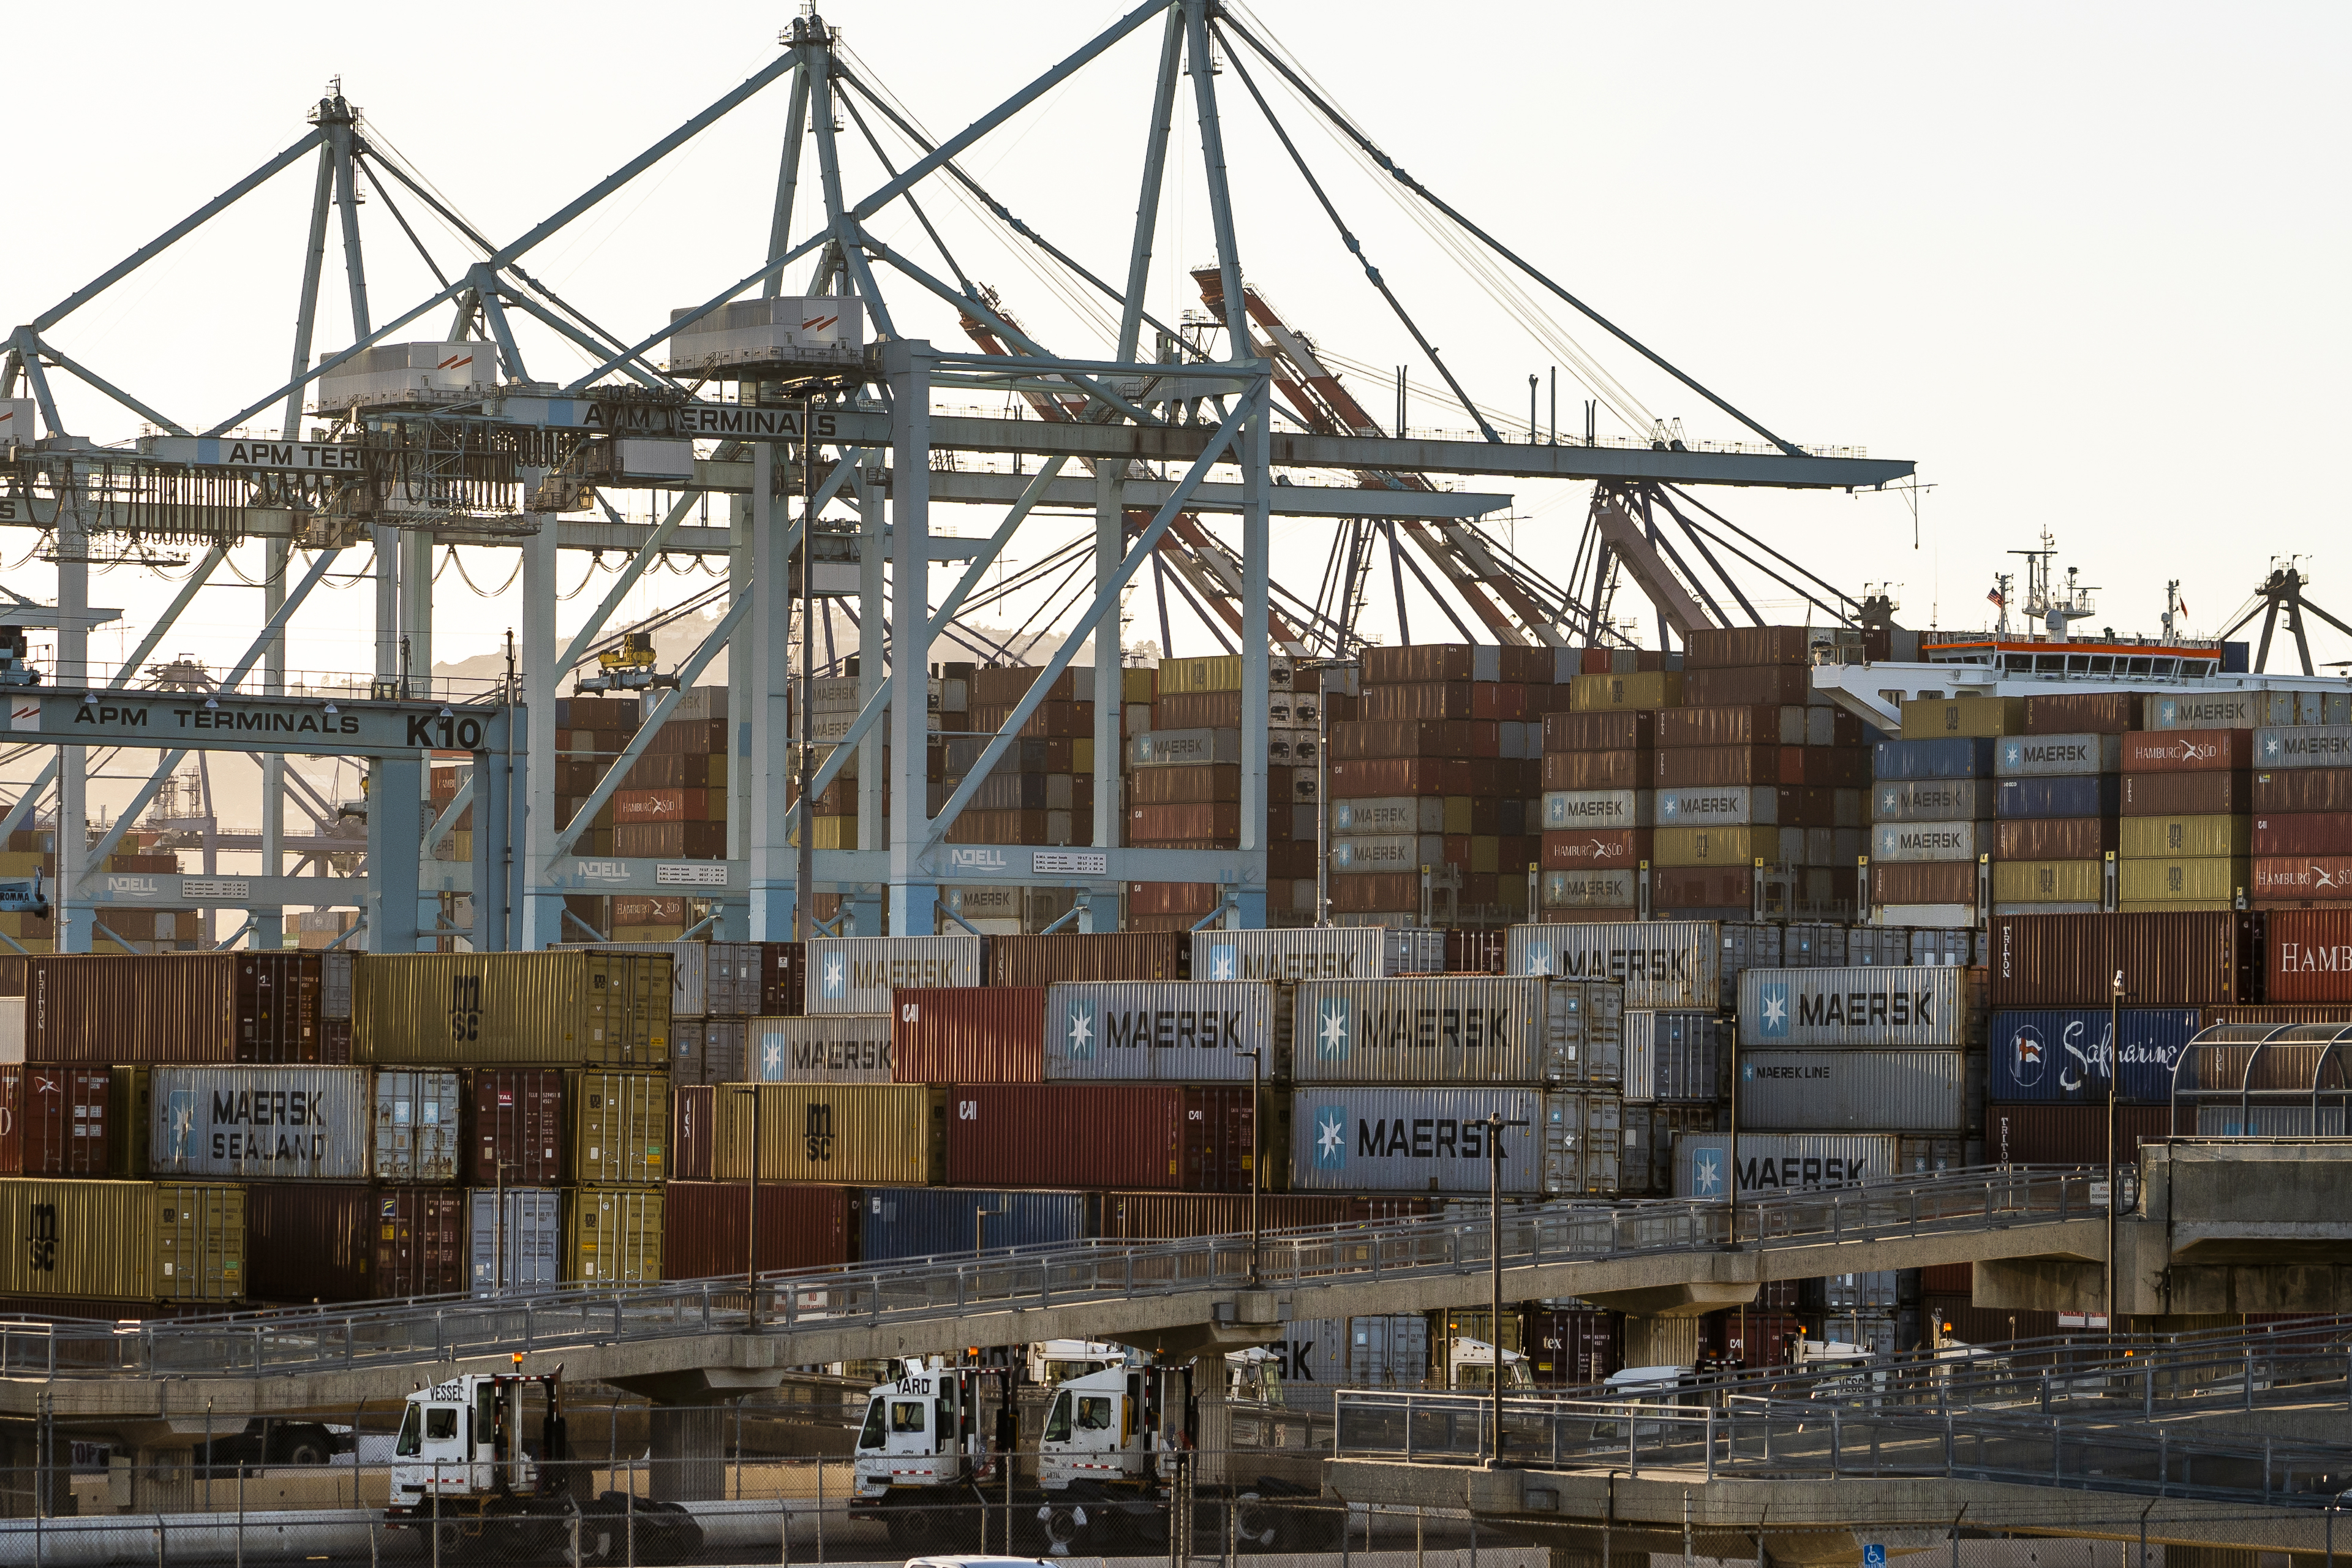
<point>2167,960</point>
<point>1609,849</point>
<point>260,1007</point>
<point>12,1120</point>
<point>1736,647</point>
<point>1703,887</point>
<point>2083,714</point>
<point>1220,782</point>
<point>1088,1135</point>
<point>1573,1347</point>
<point>2201,794</point>
<point>2302,832</point>
<point>423,1242</point>
<point>1751,1337</point>
<point>1955,1279</point>
<point>783,970</point>
<point>517,1116</point>
<point>1595,770</point>
<point>2188,750</point>
<point>1621,731</point>
<point>2069,1134</point>
<point>2305,1013</point>
<point>1923,881</point>
<point>1428,699</point>
<point>685,840</point>
<point>1184,823</point>
<point>1184,899</point>
<point>2308,956</point>
<point>2301,879</point>
<point>705,1226</point>
<point>668,806</point>
<point>1365,740</point>
<point>691,737</point>
<point>1103,955</point>
<point>1683,767</point>
<point>969,1034</point>
<point>1375,892</point>
<point>1747,726</point>
<point>64,1120</point>
<point>310,1241</point>
<point>693,1127</point>
<point>1370,778</point>
<point>2303,789</point>
<point>1752,685</point>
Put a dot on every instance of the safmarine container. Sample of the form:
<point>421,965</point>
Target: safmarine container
<point>1674,1057</point>
<point>1045,960</point>
<point>261,1123</point>
<point>2195,959</point>
<point>879,1134</point>
<point>1317,953</point>
<point>218,1007</point>
<point>1434,1140</point>
<point>1857,1091</point>
<point>417,1137</point>
<point>613,1236</point>
<point>569,1006</point>
<point>2065,1055</point>
<point>706,1228</point>
<point>519,1246</point>
<point>619,1127</point>
<point>1662,964</point>
<point>822,1048</point>
<point>1179,1031</point>
<point>964,1034</point>
<point>516,1136</point>
<point>122,1241</point>
<point>1932,800</point>
<point>707,979</point>
<point>857,973</point>
<point>920,1222</point>
<point>1769,1163</point>
<point>1111,1135</point>
<point>1915,1006</point>
<point>2057,756</point>
<point>1459,1029</point>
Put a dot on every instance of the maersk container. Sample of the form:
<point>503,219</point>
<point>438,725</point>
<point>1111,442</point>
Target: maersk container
<point>707,979</point>
<point>1916,1005</point>
<point>1317,952</point>
<point>1406,813</point>
<point>1173,1031</point>
<point>2057,756</point>
<point>1931,800</point>
<point>1674,1057</point>
<point>2066,1054</point>
<point>1662,964</point>
<point>185,1008</point>
<point>1600,808</point>
<point>573,1006</point>
<point>1459,1029</point>
<point>1738,805</point>
<point>263,1123</point>
<point>1945,757</point>
<point>1587,890</point>
<point>922,1222</point>
<point>1319,1356</point>
<point>857,973</point>
<point>417,1139</point>
<point>822,1047</point>
<point>2088,794</point>
<point>122,1241</point>
<point>1904,841</point>
<point>1388,852</point>
<point>613,1236</point>
<point>880,1134</point>
<point>1858,1090</point>
<point>1769,1163</point>
<point>1434,1139</point>
<point>1202,1140</point>
<point>619,1135</point>
<point>1646,1167</point>
<point>2307,746</point>
<point>520,1249</point>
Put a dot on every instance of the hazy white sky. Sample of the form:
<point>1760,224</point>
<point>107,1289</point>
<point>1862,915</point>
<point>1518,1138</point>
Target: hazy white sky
<point>2079,262</point>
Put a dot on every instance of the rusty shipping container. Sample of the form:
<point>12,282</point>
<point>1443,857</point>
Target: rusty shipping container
<point>2054,839</point>
<point>706,1226</point>
<point>570,1007</point>
<point>515,1133</point>
<point>613,1236</point>
<point>967,1033</point>
<point>2069,1134</point>
<point>783,973</point>
<point>1029,960</point>
<point>2188,750</point>
<point>220,1008</point>
<point>2092,712</point>
<point>2300,833</point>
<point>1737,648</point>
<point>2301,878</point>
<point>63,1123</point>
<point>261,1123</point>
<point>1173,1216</point>
<point>619,1128</point>
<point>2224,793</point>
<point>1622,730</point>
<point>2301,789</point>
<point>1460,1029</point>
<point>1924,882</point>
<point>2308,956</point>
<point>122,1241</point>
<point>2201,958</point>
<point>1109,1135</point>
<point>864,1134</point>
<point>822,1047</point>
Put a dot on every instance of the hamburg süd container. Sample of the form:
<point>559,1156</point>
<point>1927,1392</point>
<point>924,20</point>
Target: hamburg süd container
<point>122,1241</point>
<point>2307,956</point>
<point>1434,1139</point>
<point>857,973</point>
<point>619,1133</point>
<point>1769,1163</point>
<point>1459,1029</point>
<point>969,1034</point>
<point>867,1134</point>
<point>518,1249</point>
<point>418,1138</point>
<point>1664,965</point>
<point>207,1007</point>
<point>261,1123</point>
<point>1112,1135</point>
<point>1317,953</point>
<point>517,1129</point>
<point>822,1047</point>
<point>2066,1054</point>
<point>1858,1090</point>
<point>707,1226</point>
<point>918,1221</point>
<point>2188,750</point>
<point>1166,1031</point>
<point>1915,1006</point>
<point>567,1006</point>
<point>613,1236</point>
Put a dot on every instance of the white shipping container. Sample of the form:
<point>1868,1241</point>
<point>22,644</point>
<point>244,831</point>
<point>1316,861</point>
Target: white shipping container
<point>416,1132</point>
<point>1934,800</point>
<point>335,982</point>
<point>1916,1006</point>
<point>857,973</point>
<point>1662,964</point>
<point>1860,1091</point>
<point>2308,746</point>
<point>1317,952</point>
<point>1319,1356</point>
<point>12,1030</point>
<point>1388,852</point>
<point>1459,1029</point>
<point>1165,1031</point>
<point>1567,809</point>
<point>1719,807</point>
<point>1674,1057</point>
<point>531,1237</point>
<point>1769,1163</point>
<point>823,1048</point>
<point>824,328</point>
<point>2056,756</point>
<point>1587,890</point>
<point>707,979</point>
<point>1184,748</point>
<point>1390,815</point>
<point>1434,1139</point>
<point>1911,841</point>
<point>262,1123</point>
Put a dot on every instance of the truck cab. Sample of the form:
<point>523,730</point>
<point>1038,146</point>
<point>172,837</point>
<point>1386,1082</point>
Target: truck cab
<point>923,1431</point>
<point>464,1439</point>
<point>1472,1362</point>
<point>1116,1428</point>
<point>1050,1362</point>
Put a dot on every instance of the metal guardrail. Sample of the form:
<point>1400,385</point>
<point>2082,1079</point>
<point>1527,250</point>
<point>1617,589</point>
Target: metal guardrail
<point>952,1287</point>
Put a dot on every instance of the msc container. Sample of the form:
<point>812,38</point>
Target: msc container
<point>2188,750</point>
<point>619,1128</point>
<point>1905,841</point>
<point>121,1241</point>
<point>1770,1163</point>
<point>64,1122</point>
<point>1880,1006</point>
<point>857,973</point>
<point>1173,1216</point>
<point>2059,1055</point>
<point>516,1134</point>
<point>1179,1031</point>
<point>2310,746</point>
<point>707,1227</point>
<point>1861,1090</point>
<point>892,1135</point>
<point>264,1124</point>
<point>2058,756</point>
<point>2202,959</point>
<point>968,1035</point>
<point>520,1247</point>
<point>574,1006</point>
<point>417,1135</point>
<point>2307,956</point>
<point>1459,1029</point>
<point>1029,960</point>
<point>1111,1135</point>
<point>822,1048</point>
<point>1434,1139</point>
<point>1932,800</point>
<point>221,1007</point>
<point>1960,757</point>
<point>2088,794</point>
<point>1317,952</point>
<point>310,1241</point>
<point>613,1236</point>
<point>1674,1055</point>
<point>707,979</point>
<point>1647,1164</point>
<point>919,1221</point>
<point>1664,965</point>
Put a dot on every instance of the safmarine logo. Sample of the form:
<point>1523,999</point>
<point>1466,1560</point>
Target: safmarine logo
<point>2027,1057</point>
<point>1079,1029</point>
<point>1772,1010</point>
<point>1224,960</point>
<point>1706,1167</point>
<point>835,980</point>
<point>1331,1137</point>
<point>1333,1032</point>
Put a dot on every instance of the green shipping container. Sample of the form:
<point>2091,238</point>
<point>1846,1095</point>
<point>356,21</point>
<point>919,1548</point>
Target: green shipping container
<point>613,1236</point>
<point>577,1007</point>
<point>620,1127</point>
<point>2046,882</point>
<point>122,1241</point>
<point>2180,837</point>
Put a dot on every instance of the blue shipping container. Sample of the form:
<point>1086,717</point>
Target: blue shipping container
<point>2042,1056</point>
<point>925,1222</point>
<point>1945,757</point>
<point>2083,794</point>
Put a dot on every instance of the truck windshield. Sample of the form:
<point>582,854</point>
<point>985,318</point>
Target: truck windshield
<point>871,1437</point>
<point>1057,1422</point>
<point>412,1439</point>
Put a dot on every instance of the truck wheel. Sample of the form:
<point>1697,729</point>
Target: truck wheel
<point>302,1446</point>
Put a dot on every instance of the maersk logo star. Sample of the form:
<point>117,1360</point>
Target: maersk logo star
<point>1080,1021</point>
<point>771,1061</point>
<point>1538,958</point>
<point>1221,961</point>
<point>2270,745</point>
<point>1706,1172</point>
<point>2012,753</point>
<point>1773,1006</point>
<point>833,977</point>
<point>1331,1136</point>
<point>1332,1029</point>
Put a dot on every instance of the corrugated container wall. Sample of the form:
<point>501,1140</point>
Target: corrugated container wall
<point>620,1127</point>
<point>857,973</point>
<point>1856,1090</point>
<point>1319,1356</point>
<point>563,1007</point>
<point>693,1112</point>
<point>1317,952</point>
<point>1648,1161</point>
<point>1676,1056</point>
<point>1111,1135</point>
<point>2167,960</point>
<point>520,1249</point>
<point>918,1221</point>
<point>121,1241</point>
<point>1179,1031</point>
<point>1459,1029</point>
<point>517,1136</point>
<point>213,1007</point>
<point>707,979</point>
<point>261,1123</point>
<point>310,1241</point>
<point>1170,1216</point>
<point>2066,1055</point>
<point>869,1134</point>
<point>1434,1139</point>
<point>613,1236</point>
<point>706,1224</point>
<point>2069,1134</point>
<point>418,1117</point>
<point>1664,965</point>
<point>2308,956</point>
<point>1875,1006</point>
<point>1101,955</point>
<point>822,1048</point>
<point>67,1123</point>
<point>969,1034</point>
<point>1771,1163</point>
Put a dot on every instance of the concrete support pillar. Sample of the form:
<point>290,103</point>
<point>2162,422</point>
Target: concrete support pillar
<point>689,1452</point>
<point>769,852</point>
<point>542,900</point>
<point>914,894</point>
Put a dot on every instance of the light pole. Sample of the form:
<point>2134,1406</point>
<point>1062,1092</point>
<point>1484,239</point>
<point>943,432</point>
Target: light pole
<point>2114,1069</point>
<point>1494,1125</point>
<point>1256,1057</point>
<point>751,1229</point>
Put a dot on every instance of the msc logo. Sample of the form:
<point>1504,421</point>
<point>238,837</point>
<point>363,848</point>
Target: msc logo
<point>818,1129</point>
<point>1772,1010</point>
<point>2027,1057</point>
<point>1078,1037</point>
<point>1331,1137</point>
<point>1333,1031</point>
<point>465,1009</point>
<point>41,1238</point>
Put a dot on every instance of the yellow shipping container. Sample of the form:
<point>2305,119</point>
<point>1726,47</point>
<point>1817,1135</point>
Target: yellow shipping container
<point>620,1127</point>
<point>1458,808</point>
<point>122,1241</point>
<point>1718,845</point>
<point>613,1236</point>
<point>1180,676</point>
<point>596,1008</point>
<point>2175,837</point>
<point>2047,881</point>
<point>1138,684</point>
<point>20,862</point>
<point>1651,688</point>
<point>863,1134</point>
<point>2173,879</point>
<point>1931,718</point>
<point>2173,906</point>
<point>673,932</point>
